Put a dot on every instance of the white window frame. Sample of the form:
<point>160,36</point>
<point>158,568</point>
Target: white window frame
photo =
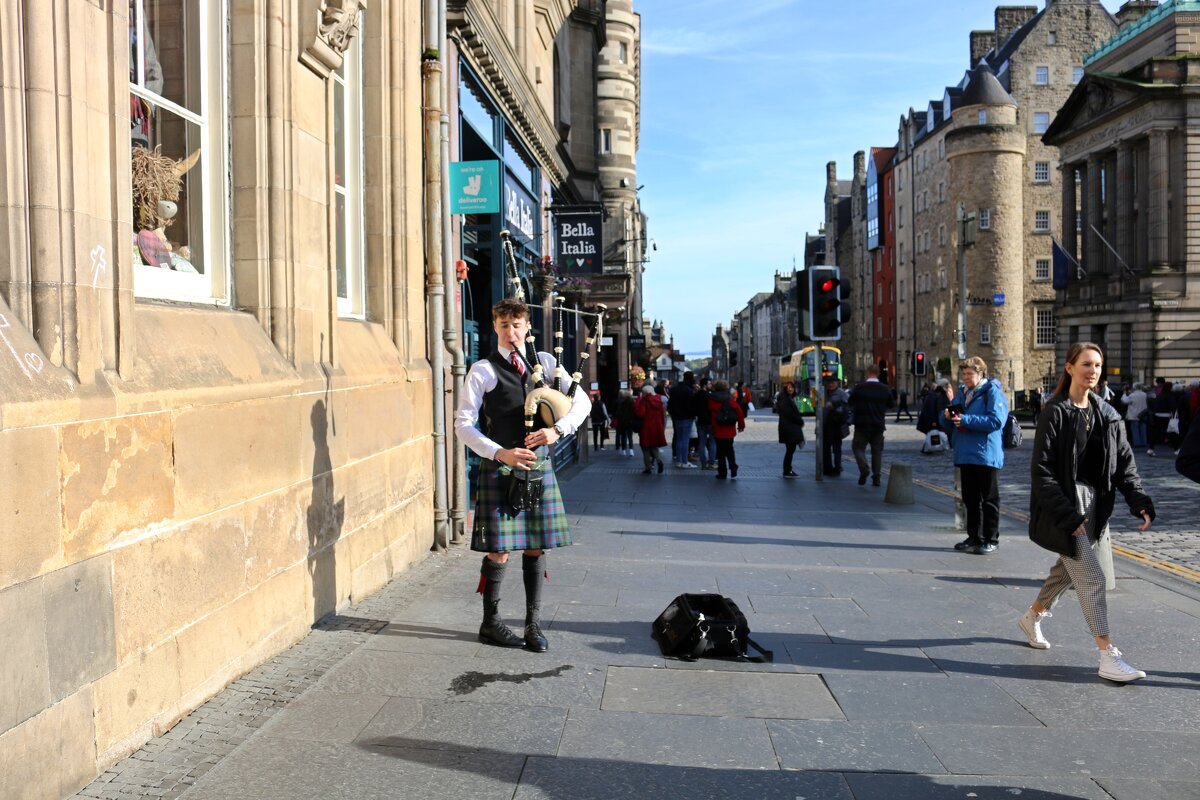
<point>1052,37</point>
<point>1041,121</point>
<point>985,219</point>
<point>983,116</point>
<point>622,52</point>
<point>1041,221</point>
<point>606,141</point>
<point>353,193</point>
<point>1041,75</point>
<point>985,333</point>
<point>213,286</point>
<point>1041,172</point>
<point>1040,328</point>
<point>1041,269</point>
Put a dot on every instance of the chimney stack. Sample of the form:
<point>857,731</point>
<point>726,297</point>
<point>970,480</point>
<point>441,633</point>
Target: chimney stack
<point>1134,10</point>
<point>981,43</point>
<point>1009,20</point>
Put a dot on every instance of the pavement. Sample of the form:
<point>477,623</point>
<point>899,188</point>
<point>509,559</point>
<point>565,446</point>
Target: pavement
<point>899,670</point>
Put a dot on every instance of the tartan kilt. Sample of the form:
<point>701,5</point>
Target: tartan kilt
<point>497,531</point>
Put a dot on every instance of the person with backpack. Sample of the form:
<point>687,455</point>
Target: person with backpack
<point>728,420</point>
<point>979,453</point>
<point>835,426</point>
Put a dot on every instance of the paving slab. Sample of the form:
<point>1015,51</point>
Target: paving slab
<point>594,779</point>
<point>855,746</point>
<point>953,787</point>
<point>409,723</point>
<point>682,741</point>
<point>885,698</point>
<point>1149,790</point>
<point>321,716</point>
<point>718,693</point>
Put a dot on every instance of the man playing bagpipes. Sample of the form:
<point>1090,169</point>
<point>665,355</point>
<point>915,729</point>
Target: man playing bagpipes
<point>517,502</point>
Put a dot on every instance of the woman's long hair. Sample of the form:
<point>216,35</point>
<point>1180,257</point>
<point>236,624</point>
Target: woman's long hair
<point>1064,380</point>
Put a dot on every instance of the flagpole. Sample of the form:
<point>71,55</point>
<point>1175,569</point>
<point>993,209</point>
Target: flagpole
<point>1112,249</point>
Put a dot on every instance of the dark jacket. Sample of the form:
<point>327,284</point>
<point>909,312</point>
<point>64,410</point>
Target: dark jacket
<point>791,422</point>
<point>928,418</point>
<point>700,406</point>
<point>870,401</point>
<point>715,401</point>
<point>1188,462</point>
<point>679,404</point>
<point>1053,512</point>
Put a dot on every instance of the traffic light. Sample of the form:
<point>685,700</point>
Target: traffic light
<point>826,309</point>
<point>918,365</point>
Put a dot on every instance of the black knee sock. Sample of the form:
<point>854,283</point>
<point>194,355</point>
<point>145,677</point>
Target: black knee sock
<point>533,569</point>
<point>491,575</point>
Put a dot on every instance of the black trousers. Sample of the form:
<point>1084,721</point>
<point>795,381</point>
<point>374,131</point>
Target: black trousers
<point>981,496</point>
<point>725,458</point>
<point>787,455</point>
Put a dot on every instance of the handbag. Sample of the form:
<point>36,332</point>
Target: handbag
<point>1173,424</point>
<point>696,625</point>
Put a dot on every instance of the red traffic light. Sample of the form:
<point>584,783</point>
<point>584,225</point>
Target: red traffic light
<point>828,285</point>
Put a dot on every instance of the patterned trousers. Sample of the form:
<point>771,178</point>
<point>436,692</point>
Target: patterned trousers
<point>1083,571</point>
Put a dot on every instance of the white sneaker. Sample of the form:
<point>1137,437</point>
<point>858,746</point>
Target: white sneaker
<point>1150,452</point>
<point>1030,624</point>
<point>1114,667</point>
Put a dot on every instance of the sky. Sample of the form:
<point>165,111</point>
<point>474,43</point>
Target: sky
<point>743,105</point>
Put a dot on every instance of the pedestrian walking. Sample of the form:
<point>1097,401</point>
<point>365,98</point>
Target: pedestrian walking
<point>791,426</point>
<point>979,454</point>
<point>683,416</point>
<point>741,394</point>
<point>902,406</point>
<point>496,386</point>
<point>650,409</point>
<point>1081,459</point>
<point>599,418</point>
<point>1136,413</point>
<point>728,420</point>
<point>706,445</point>
<point>868,406</point>
<point>835,426</point>
<point>623,422</point>
<point>1162,408</point>
<point>1187,463</point>
<point>1035,403</point>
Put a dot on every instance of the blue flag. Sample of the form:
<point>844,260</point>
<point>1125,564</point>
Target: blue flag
<point>1062,263</point>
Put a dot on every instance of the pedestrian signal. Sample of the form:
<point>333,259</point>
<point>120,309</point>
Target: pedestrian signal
<point>826,310</point>
<point>918,364</point>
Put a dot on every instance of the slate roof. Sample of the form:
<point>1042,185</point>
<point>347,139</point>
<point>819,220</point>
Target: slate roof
<point>984,89</point>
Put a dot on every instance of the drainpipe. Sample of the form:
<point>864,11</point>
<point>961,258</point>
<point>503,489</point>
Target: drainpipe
<point>435,287</point>
<point>450,330</point>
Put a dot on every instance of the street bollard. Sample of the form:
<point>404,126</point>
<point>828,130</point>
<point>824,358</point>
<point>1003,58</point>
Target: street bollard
<point>900,487</point>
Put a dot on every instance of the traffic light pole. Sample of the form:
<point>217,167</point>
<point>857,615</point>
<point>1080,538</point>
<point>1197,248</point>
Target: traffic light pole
<point>819,415</point>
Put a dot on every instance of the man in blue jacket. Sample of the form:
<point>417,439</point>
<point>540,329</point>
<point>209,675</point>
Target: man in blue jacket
<point>979,453</point>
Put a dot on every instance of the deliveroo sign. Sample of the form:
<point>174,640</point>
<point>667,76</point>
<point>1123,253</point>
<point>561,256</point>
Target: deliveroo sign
<point>475,187</point>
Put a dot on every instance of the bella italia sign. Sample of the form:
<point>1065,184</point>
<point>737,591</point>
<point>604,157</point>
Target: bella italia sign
<point>579,242</point>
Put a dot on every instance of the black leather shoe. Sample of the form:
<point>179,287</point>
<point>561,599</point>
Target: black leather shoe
<point>790,474</point>
<point>534,640</point>
<point>875,481</point>
<point>984,549</point>
<point>500,635</point>
<point>966,544</point>
<point>720,476</point>
<point>862,478</point>
<point>646,471</point>
<point>660,467</point>
<point>733,472</point>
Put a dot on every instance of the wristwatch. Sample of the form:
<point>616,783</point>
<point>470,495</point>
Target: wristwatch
<point>559,430</point>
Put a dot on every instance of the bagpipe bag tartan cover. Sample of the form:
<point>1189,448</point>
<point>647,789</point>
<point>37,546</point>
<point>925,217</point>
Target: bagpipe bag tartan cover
<point>497,531</point>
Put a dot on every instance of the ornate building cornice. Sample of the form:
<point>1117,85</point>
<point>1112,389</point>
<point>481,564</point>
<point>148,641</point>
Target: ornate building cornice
<point>481,41</point>
<point>326,30</point>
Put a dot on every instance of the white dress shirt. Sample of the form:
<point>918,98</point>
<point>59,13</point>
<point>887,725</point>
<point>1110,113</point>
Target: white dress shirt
<point>481,379</point>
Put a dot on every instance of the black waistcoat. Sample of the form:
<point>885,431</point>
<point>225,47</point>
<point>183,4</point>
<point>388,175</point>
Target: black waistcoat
<point>504,406</point>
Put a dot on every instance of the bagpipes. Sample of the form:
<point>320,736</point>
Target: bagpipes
<point>546,403</point>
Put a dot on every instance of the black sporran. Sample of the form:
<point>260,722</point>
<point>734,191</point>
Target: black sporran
<point>524,491</point>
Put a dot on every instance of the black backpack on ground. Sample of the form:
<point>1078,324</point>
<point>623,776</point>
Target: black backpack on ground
<point>726,414</point>
<point>696,625</point>
<point>1012,433</point>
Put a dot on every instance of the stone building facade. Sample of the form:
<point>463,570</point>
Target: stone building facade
<point>1130,160</point>
<point>230,343</point>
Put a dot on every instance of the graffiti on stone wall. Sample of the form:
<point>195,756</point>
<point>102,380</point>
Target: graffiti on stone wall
<point>30,363</point>
<point>99,264</point>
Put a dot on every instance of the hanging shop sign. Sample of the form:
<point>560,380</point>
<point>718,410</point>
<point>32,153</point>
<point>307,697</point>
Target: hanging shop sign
<point>520,210</point>
<point>579,243</point>
<point>637,342</point>
<point>475,187</point>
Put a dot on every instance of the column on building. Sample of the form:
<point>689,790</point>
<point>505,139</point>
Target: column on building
<point>1109,228</point>
<point>1070,240</point>
<point>1159,186</point>
<point>1093,250</point>
<point>1124,186</point>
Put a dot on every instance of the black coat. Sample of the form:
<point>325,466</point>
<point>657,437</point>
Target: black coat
<point>1053,514</point>
<point>1188,462</point>
<point>791,422</point>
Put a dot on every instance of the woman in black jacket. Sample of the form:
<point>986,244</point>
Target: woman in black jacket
<point>791,426</point>
<point>1081,459</point>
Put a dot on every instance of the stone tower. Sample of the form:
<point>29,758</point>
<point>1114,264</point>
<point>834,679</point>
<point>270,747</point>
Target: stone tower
<point>986,150</point>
